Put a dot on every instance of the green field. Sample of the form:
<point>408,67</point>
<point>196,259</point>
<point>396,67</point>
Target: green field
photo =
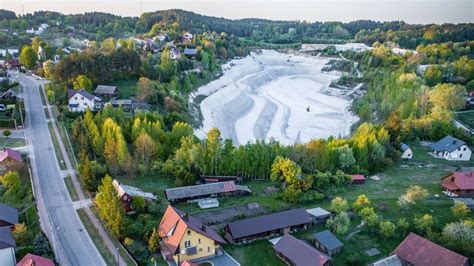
<point>467,118</point>
<point>11,142</point>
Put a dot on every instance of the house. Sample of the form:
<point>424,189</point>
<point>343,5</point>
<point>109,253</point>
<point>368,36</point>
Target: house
<point>10,160</point>
<point>7,256</point>
<point>6,238</point>
<point>215,178</point>
<point>297,252</point>
<point>188,263</point>
<point>126,105</point>
<point>12,63</point>
<point>34,260</point>
<point>327,242</point>
<point>389,261</point>
<point>468,201</point>
<point>174,53</point>
<point>451,149</point>
<point>8,216</point>
<point>416,250</point>
<point>358,179</point>
<point>190,51</point>
<point>228,188</point>
<point>186,238</point>
<point>9,95</point>
<point>459,184</point>
<point>318,215</point>
<point>127,193</point>
<point>106,91</point>
<point>80,100</point>
<point>275,224</point>
<point>407,152</point>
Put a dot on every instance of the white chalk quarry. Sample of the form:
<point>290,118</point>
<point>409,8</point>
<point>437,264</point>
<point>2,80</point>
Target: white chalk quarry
<point>275,95</point>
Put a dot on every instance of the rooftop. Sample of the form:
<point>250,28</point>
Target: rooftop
<point>8,214</point>
<point>6,238</point>
<point>389,261</point>
<point>203,190</point>
<point>404,146</point>
<point>132,191</point>
<point>459,180</point>
<point>9,153</point>
<point>327,239</point>
<point>318,212</point>
<point>7,257</point>
<point>299,252</point>
<point>34,260</point>
<point>81,92</point>
<point>105,89</point>
<point>269,222</point>
<point>447,143</point>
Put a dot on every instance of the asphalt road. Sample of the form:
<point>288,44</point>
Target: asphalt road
<point>58,216</point>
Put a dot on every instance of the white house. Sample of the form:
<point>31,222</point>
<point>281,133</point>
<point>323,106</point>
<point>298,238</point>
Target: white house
<point>187,37</point>
<point>451,149</point>
<point>407,152</point>
<point>175,53</point>
<point>80,100</point>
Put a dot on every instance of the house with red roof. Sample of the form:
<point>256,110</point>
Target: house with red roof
<point>358,179</point>
<point>418,251</point>
<point>185,238</point>
<point>459,184</point>
<point>34,260</point>
<point>10,160</point>
<point>294,251</point>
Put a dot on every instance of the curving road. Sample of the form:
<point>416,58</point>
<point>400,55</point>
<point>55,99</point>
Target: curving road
<point>58,216</point>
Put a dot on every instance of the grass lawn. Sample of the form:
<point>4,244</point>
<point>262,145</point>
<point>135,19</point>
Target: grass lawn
<point>127,88</point>
<point>466,118</point>
<point>94,234</point>
<point>59,155</point>
<point>70,188</point>
<point>256,253</point>
<point>11,142</point>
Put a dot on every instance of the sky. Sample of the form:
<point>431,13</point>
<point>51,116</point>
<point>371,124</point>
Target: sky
<point>410,11</point>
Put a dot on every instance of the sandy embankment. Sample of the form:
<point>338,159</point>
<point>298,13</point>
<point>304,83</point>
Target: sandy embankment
<point>268,95</point>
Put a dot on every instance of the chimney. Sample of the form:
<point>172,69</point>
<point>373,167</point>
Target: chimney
<point>185,216</point>
<point>204,227</point>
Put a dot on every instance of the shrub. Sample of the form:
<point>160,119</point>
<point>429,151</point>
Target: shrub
<point>339,223</point>
<point>339,205</point>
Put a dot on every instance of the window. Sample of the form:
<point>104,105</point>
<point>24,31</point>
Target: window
<point>187,243</point>
<point>464,149</point>
<point>460,155</point>
<point>459,148</point>
<point>82,98</point>
<point>199,241</point>
<point>189,232</point>
<point>208,249</point>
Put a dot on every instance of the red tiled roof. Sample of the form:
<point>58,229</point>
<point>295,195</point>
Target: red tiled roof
<point>34,260</point>
<point>358,177</point>
<point>463,180</point>
<point>421,252</point>
<point>187,263</point>
<point>450,186</point>
<point>173,226</point>
<point>9,153</point>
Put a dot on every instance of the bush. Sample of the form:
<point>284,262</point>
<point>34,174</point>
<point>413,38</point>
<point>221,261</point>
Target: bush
<point>339,205</point>
<point>339,223</point>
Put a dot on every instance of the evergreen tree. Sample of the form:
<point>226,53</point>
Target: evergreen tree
<point>109,205</point>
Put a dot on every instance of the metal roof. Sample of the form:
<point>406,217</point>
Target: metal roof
<point>299,252</point>
<point>404,146</point>
<point>8,214</point>
<point>389,261</point>
<point>6,238</point>
<point>447,143</point>
<point>327,239</point>
<point>269,222</point>
<point>105,89</point>
<point>202,190</point>
<point>318,212</point>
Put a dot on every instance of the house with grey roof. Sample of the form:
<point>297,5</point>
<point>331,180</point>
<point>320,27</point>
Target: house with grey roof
<point>106,91</point>
<point>294,251</point>
<point>80,100</point>
<point>318,215</point>
<point>190,51</point>
<point>228,188</point>
<point>451,148</point>
<point>8,215</point>
<point>407,152</point>
<point>266,226</point>
<point>327,242</point>
<point>6,238</point>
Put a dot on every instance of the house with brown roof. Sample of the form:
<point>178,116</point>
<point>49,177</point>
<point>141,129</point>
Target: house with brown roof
<point>297,252</point>
<point>266,226</point>
<point>34,260</point>
<point>459,184</point>
<point>418,251</point>
<point>185,238</point>
<point>10,160</point>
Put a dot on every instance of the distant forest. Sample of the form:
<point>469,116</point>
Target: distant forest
<point>97,26</point>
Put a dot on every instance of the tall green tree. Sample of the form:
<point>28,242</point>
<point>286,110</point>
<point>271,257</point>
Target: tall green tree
<point>109,205</point>
<point>28,57</point>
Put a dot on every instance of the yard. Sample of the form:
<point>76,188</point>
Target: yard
<point>11,142</point>
<point>467,118</point>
